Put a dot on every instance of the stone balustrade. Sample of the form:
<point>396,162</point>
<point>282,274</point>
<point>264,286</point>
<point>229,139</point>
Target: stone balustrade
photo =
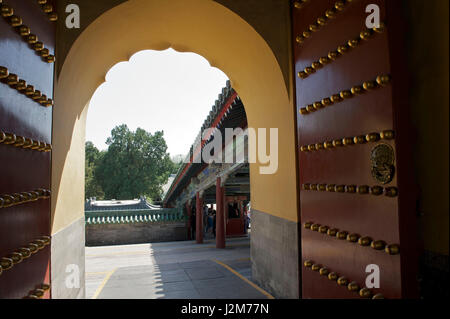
<point>134,216</point>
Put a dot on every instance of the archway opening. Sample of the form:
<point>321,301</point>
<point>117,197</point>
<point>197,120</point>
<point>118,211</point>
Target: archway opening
<point>204,27</point>
<point>164,92</point>
<point>156,105</point>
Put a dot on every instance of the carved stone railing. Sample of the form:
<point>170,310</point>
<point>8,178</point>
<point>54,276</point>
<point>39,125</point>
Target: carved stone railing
<point>134,216</point>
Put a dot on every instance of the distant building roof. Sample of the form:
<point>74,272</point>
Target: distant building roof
<point>227,112</point>
<point>92,204</point>
<point>166,187</point>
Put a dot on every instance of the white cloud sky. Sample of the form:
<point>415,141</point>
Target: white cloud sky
<point>156,90</point>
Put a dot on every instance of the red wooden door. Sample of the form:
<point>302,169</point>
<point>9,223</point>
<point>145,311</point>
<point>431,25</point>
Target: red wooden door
<point>356,198</point>
<point>27,42</point>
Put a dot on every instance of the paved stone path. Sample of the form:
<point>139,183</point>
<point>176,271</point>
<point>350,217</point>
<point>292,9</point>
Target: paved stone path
<point>175,270</point>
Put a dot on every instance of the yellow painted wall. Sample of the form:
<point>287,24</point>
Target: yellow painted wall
<point>429,98</point>
<point>201,26</point>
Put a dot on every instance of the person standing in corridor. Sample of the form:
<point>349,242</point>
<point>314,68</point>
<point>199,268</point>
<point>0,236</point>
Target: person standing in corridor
<point>214,223</point>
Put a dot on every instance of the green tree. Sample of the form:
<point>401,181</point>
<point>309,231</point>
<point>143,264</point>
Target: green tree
<point>136,164</point>
<point>92,187</point>
<point>92,153</point>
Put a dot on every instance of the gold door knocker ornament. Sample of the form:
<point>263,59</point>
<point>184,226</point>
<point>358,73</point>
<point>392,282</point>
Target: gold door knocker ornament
<point>382,162</point>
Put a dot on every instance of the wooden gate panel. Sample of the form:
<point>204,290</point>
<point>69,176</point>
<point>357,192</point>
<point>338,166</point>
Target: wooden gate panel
<point>358,65</point>
<point>26,118</point>
<point>24,170</point>
<point>346,259</point>
<point>353,214</point>
<point>345,104</point>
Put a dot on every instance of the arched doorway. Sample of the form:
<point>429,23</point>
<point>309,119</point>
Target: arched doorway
<point>201,26</point>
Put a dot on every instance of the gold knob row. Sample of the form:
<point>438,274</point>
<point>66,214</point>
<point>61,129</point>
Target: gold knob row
<point>352,286</point>
<point>330,14</point>
<point>300,4</point>
<point>38,292</point>
<point>349,141</point>
<point>364,35</point>
<point>24,142</point>
<point>48,9</point>
<point>379,82</point>
<point>9,261</point>
<point>353,189</point>
<point>14,82</point>
<point>9,200</point>
<point>16,22</point>
<point>364,241</point>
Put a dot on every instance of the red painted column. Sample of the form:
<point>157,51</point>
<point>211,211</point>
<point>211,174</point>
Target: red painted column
<point>189,226</point>
<point>220,222</point>
<point>199,218</point>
